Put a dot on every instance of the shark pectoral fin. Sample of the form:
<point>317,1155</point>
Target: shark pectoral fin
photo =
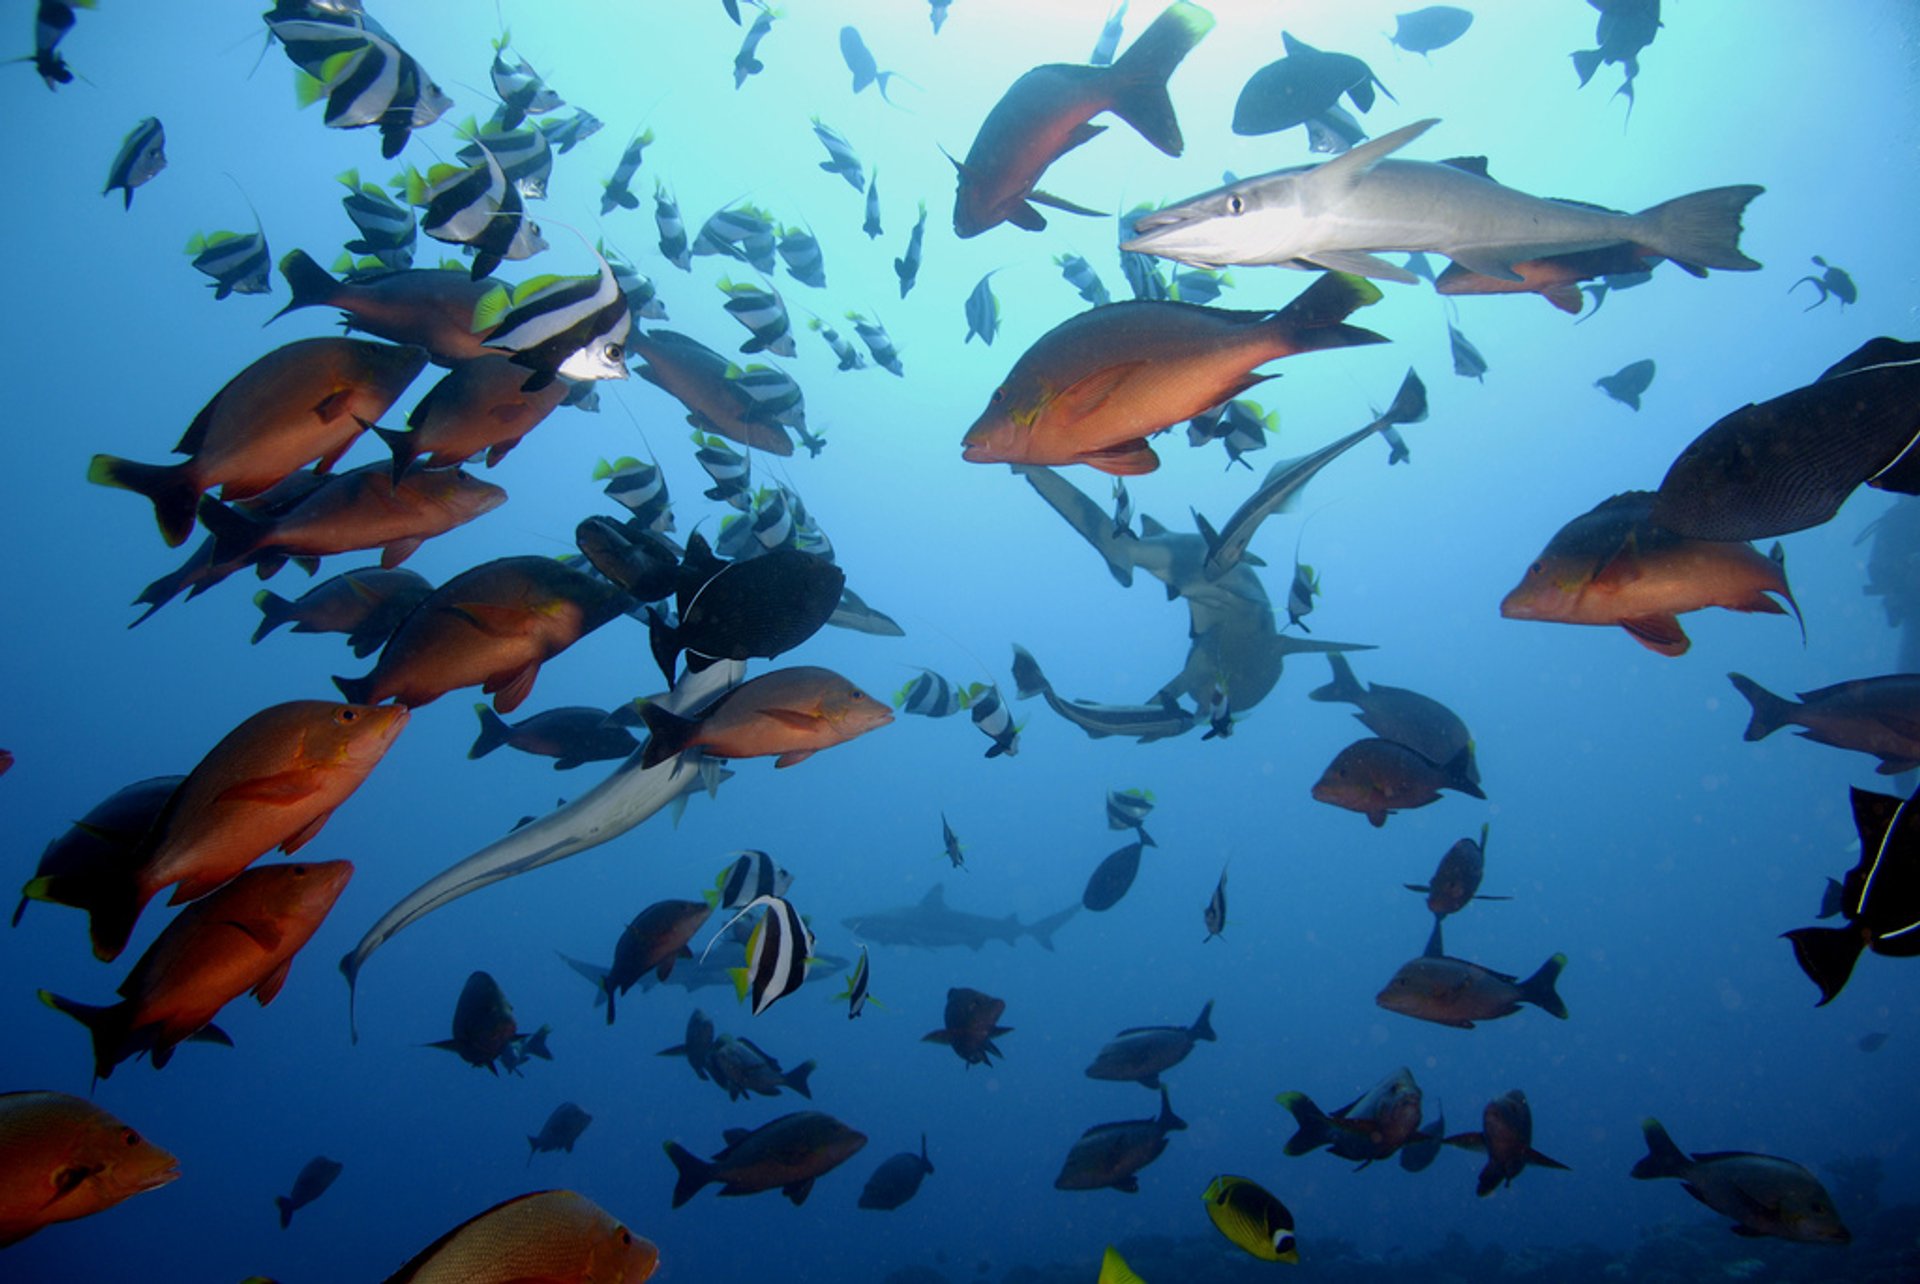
<point>1658,633</point>
<point>1359,264</point>
<point>1490,264</point>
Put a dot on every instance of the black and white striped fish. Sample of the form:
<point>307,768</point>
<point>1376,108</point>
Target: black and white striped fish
<point>815,442</point>
<point>841,159</point>
<point>1397,452</point>
<point>747,62</point>
<point>764,313</point>
<point>1215,913</point>
<point>387,228</point>
<point>930,696</point>
<point>1129,809</point>
<point>143,153</point>
<point>907,267</point>
<point>1300,593</point>
<point>523,154</point>
<point>777,953</point>
<point>843,349</point>
<point>772,395</point>
<point>1199,286</point>
<point>476,207</point>
<point>950,843</point>
<point>571,326</point>
<point>856,992</point>
<point>521,90</point>
<point>372,82</point>
<point>640,488</point>
<point>989,713</point>
<point>878,342</point>
<point>52,20</point>
<point>800,250</point>
<point>741,232</point>
<point>673,229</point>
<point>1081,276</point>
<point>983,311</point>
<point>1122,508</point>
<point>872,226</point>
<point>732,472</point>
<point>568,132</point>
<point>748,877</point>
<point>643,297</point>
<point>772,518</point>
<point>238,263</point>
<point>617,191</point>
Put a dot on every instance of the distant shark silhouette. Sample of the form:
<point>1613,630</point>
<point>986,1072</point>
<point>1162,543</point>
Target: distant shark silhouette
<point>933,925</point>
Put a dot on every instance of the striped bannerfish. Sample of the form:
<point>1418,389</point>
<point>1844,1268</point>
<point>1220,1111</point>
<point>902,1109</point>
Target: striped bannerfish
<point>907,268</point>
<point>521,90</point>
<point>743,232</point>
<point>764,313</point>
<point>572,326</point>
<point>856,992</point>
<point>929,695</point>
<point>750,875</point>
<point>643,297</point>
<point>878,342</point>
<point>523,154</point>
<point>1122,509</point>
<point>746,63</point>
<point>143,153</point>
<point>872,226</point>
<point>1129,809</point>
<point>983,311</point>
<point>387,228</point>
<point>801,252</point>
<point>1215,913</point>
<point>776,953</point>
<point>1081,276</point>
<point>617,191</point>
<point>640,488</point>
<point>731,471</point>
<point>673,229</point>
<point>771,395</point>
<point>477,207</point>
<point>950,842</point>
<point>772,519</point>
<point>848,355</point>
<point>52,20</point>
<point>989,713</point>
<point>568,133</point>
<point>841,159</point>
<point>238,263</point>
<point>366,79</point>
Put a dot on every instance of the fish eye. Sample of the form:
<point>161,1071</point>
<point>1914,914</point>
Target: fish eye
<point>1236,204</point>
<point>626,1237</point>
<point>615,352</point>
<point>132,1138</point>
<point>999,395</point>
<point>346,715</point>
<point>299,871</point>
<point>1536,568</point>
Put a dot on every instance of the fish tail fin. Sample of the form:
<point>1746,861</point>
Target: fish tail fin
<point>274,611</point>
<point>166,486</point>
<point>1167,1120</point>
<point>694,1173</point>
<point>1436,940</point>
<point>1043,930</point>
<point>1778,556</point>
<point>285,1206</point>
<point>1827,956</point>
<point>535,1044</point>
<point>310,284</point>
<point>112,905</point>
<point>667,734</point>
<point>1140,75</point>
<point>1203,1027</point>
<point>235,535</point>
<point>1410,403</point>
<point>1770,712</point>
<point>404,446</point>
<point>1586,62</point>
<point>1313,322</point>
<point>595,975</point>
<point>1538,988</point>
<point>1027,678</point>
<point>1701,230</point>
<point>1313,1128</point>
<point>663,639</point>
<point>796,1078</point>
<point>107,1025</point>
<point>1663,1158</point>
<point>1344,689</point>
<point>494,731</point>
<point>1459,773</point>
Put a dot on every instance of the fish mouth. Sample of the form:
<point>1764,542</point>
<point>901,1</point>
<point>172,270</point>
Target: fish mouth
<point>160,1177</point>
<point>978,452</point>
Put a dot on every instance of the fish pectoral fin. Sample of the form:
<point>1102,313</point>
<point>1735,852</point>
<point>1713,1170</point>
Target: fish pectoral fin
<point>1661,634</point>
<point>509,690</point>
<point>1025,216</point>
<point>398,551</point>
<point>333,405</point>
<point>798,719</point>
<point>282,789</point>
<point>492,620</point>
<point>1487,263</point>
<point>1064,206</point>
<point>1125,459</point>
<point>211,1033</point>
<point>307,831</point>
<point>791,757</point>
<point>1538,1160</point>
<point>1359,264</point>
<point>270,984</point>
<point>266,935</point>
<point>1088,393</point>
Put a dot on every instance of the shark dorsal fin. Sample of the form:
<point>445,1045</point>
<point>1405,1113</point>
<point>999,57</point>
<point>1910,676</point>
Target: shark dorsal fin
<point>936,897</point>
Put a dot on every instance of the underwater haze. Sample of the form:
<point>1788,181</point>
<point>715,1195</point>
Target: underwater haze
<point>1633,828</point>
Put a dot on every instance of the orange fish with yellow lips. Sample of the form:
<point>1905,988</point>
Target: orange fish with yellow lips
<point>300,403</point>
<point>547,1237</point>
<point>62,1158</point>
<point>241,938</point>
<point>789,714</point>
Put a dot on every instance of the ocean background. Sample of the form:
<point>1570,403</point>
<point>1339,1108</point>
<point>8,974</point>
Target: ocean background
<point>1634,829</point>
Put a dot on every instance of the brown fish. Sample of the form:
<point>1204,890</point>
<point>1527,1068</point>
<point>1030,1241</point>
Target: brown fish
<point>361,509</point>
<point>484,1032</point>
<point>696,376</point>
<point>1111,1154</point>
<point>1450,991</point>
<point>241,938</point>
<point>491,627</point>
<point>789,714</point>
<point>1556,279</point>
<point>972,1021</point>
<point>1507,1138</point>
<point>1373,1126</point>
<point>547,1237</point>
<point>477,408</point>
<point>656,937</point>
<point>1614,566</point>
<point>1096,386</point>
<point>1456,880</point>
<point>431,308</point>
<point>302,403</point>
<point>1878,716</point>
<point>1377,776</point>
<point>1045,115</point>
<point>365,604</point>
<point>271,782</point>
<point>200,571</point>
<point>62,1158</point>
<point>102,847</point>
<point>787,1155</point>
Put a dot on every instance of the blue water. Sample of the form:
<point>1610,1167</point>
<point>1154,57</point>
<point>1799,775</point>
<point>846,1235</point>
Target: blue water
<point>1634,829</point>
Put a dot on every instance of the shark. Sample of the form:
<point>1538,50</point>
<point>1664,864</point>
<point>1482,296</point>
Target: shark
<point>933,925</point>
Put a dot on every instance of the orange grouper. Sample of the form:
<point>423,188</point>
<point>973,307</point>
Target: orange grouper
<point>547,1237</point>
<point>1096,386</point>
<point>789,714</point>
<point>1045,115</point>
<point>241,938</point>
<point>431,308</point>
<point>305,402</point>
<point>271,782</point>
<point>62,1158</point>
<point>362,509</point>
<point>477,408</point>
<point>491,627</point>
<point>1613,565</point>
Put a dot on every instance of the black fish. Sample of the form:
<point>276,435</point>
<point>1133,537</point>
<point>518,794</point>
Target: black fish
<point>1788,464</point>
<point>739,610</point>
<point>971,1023</point>
<point>1431,28</point>
<point>1833,282</point>
<point>1467,361</point>
<point>1627,383</point>
<point>571,735</point>
<point>1881,896</point>
<point>562,1128</point>
<point>1112,878</point>
<point>639,562</point>
<point>1625,28</point>
<point>898,1178</point>
<point>142,154</point>
<point>315,1176</point>
<point>1304,84</point>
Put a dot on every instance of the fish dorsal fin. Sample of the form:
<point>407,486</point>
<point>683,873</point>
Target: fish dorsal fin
<point>936,897</point>
<point>1475,165</point>
<point>1347,169</point>
<point>734,1136</point>
<point>1149,528</point>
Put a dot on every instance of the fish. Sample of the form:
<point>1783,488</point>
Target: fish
<point>743,1068</point>
<point>547,1235</point>
<point>303,402</point>
<point>898,1177</point>
<point>567,133</point>
<point>66,1158</point>
<point>950,844</point>
<point>932,924</point>
<point>650,942</point>
<point>1507,1139</point>
<point>871,224</point>
<point>1334,131</point>
<point>52,20</point>
<point>1366,203</point>
<point>524,156</point>
<point>1873,1042</point>
<point>758,608</point>
<point>763,313</point>
<point>1239,425</point>
<point>748,877</point>
<point>747,62</point>
<point>1129,809</point>
<point>484,1031</point>
<point>572,735</point>
<point>1434,27</point>
<point>800,250</point>
<point>1832,283</point>
<point>388,230</point>
<point>1598,290</point>
<point>430,308</point>
<point>1142,1053</point>
<point>1301,592</point>
<point>238,263</point>
<point>1143,275</point>
<point>562,1128</point>
<point>311,1182</point>
<point>1097,385</point>
<point>1467,361</point>
<point>475,206</point>
<point>478,408</point>
<point>102,848</point>
<point>1122,509</point>
<point>1305,85</point>
<point>572,327</point>
<point>1114,1269</point>
<point>1377,777</point>
<point>1788,464</point>
<point>242,937</point>
<point>1557,278</point>
<point>697,1046</point>
<point>1109,42</point>
<point>939,13</point>
<point>1374,1126</point>
<point>860,61</point>
<point>1456,880</point>
<point>1112,878</point>
<point>907,267</point>
<point>1045,114</point>
<point>1251,1218</point>
<point>696,376</point>
<point>142,155</point>
<point>787,1154</point>
<point>366,81</point>
<point>1627,383</point>
<point>200,571</point>
<point>879,343</point>
<point>841,158</point>
<point>1215,912</point>
<point>640,488</point>
<point>788,714</point>
<point>1111,1154</point>
<point>1620,564</point>
<point>674,247</point>
<point>1626,27</point>
<point>844,352</point>
<point>1397,452</point>
<point>521,90</point>
<point>777,952</point>
<point>971,1022</point>
<point>1406,717</point>
<point>856,994</point>
<point>1143,722</point>
<point>1081,276</point>
<point>1876,716</point>
<point>989,713</point>
<point>1450,991</point>
<point>1880,897</point>
<point>1765,1195</point>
